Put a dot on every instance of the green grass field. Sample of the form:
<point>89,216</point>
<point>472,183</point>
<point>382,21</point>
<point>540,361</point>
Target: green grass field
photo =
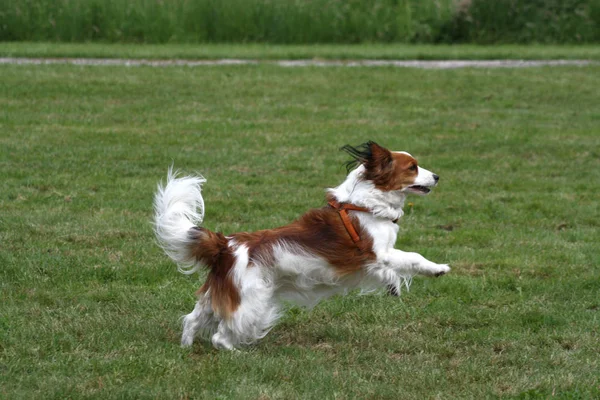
<point>90,307</point>
<point>317,51</point>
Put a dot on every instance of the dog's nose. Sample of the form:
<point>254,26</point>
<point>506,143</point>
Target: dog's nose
<point>436,178</point>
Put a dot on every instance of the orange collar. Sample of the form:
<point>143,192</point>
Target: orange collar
<point>342,209</point>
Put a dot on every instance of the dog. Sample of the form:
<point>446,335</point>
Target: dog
<point>347,244</point>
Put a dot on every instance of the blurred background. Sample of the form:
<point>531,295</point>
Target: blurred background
<point>302,21</point>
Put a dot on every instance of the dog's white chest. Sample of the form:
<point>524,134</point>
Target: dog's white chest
<point>383,232</point>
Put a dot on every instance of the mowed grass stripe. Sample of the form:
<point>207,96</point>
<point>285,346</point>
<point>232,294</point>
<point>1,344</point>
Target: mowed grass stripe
<point>208,51</point>
<point>90,306</point>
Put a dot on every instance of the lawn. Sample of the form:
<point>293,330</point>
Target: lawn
<point>294,52</point>
<point>90,307</point>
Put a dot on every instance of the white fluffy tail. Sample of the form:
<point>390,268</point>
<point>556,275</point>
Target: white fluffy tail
<point>179,207</point>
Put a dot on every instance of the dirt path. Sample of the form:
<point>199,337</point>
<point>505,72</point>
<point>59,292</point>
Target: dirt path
<point>448,64</point>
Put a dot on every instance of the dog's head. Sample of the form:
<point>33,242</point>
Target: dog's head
<point>391,170</point>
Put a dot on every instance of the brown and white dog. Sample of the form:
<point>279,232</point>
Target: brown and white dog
<point>345,245</point>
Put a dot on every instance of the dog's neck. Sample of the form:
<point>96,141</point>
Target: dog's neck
<point>355,190</point>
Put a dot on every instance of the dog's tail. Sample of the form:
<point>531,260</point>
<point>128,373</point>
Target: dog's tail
<point>178,211</point>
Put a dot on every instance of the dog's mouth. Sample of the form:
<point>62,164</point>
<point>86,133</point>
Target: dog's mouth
<point>418,189</point>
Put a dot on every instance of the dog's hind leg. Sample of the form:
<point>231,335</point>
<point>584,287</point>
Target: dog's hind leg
<point>201,319</point>
<point>223,338</point>
<point>254,317</point>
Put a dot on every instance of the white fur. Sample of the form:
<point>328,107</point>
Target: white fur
<point>257,311</point>
<point>305,279</point>
<point>178,207</point>
<point>296,274</point>
<point>385,205</point>
<point>425,178</point>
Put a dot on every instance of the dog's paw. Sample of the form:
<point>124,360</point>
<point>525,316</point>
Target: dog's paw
<point>187,341</point>
<point>442,269</point>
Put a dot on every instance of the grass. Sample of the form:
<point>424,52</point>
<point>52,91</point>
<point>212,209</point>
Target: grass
<point>278,52</point>
<point>90,307</point>
<point>201,21</point>
<point>298,21</point>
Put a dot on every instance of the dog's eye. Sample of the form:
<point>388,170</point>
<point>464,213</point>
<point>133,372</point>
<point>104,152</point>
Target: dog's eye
<point>413,167</point>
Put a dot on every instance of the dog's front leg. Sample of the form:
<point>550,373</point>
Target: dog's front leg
<point>413,263</point>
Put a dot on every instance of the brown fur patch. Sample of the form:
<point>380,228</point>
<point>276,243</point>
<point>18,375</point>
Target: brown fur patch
<point>320,232</point>
<point>391,171</point>
<point>405,169</point>
<point>379,166</point>
<point>213,251</point>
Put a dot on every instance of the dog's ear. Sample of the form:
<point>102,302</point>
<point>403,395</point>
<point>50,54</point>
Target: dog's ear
<point>369,154</point>
<point>380,166</point>
<point>359,154</point>
<point>378,162</point>
<point>380,159</point>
